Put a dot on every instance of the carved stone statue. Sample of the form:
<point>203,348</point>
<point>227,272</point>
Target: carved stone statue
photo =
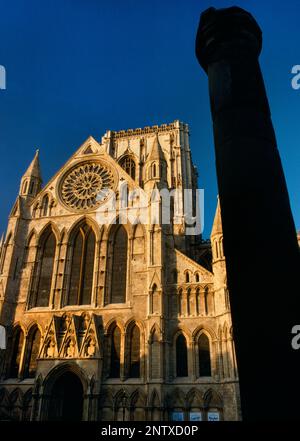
<point>70,349</point>
<point>50,349</point>
<point>90,348</point>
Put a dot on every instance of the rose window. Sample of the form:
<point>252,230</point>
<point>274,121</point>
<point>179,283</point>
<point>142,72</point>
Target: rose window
<point>87,185</point>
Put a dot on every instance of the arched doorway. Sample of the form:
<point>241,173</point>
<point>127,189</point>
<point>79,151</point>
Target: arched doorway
<point>66,402</point>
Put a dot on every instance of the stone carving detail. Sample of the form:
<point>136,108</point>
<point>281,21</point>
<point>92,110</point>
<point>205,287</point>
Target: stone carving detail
<point>69,349</point>
<point>84,187</point>
<point>49,349</point>
<point>90,348</point>
<point>71,336</point>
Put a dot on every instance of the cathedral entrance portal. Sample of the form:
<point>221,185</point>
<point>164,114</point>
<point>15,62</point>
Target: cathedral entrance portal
<point>66,402</point>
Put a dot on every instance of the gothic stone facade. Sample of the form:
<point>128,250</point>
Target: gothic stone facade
<point>109,321</point>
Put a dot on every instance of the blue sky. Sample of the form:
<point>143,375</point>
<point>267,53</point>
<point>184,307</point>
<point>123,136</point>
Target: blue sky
<point>77,68</point>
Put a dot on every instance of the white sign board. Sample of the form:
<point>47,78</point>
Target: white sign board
<point>213,416</point>
<point>2,337</point>
<point>177,416</point>
<point>195,416</point>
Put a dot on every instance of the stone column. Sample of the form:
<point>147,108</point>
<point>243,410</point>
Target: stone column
<point>259,233</point>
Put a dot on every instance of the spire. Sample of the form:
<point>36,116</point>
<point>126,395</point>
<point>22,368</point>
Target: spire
<point>31,180</point>
<point>217,225</point>
<point>156,152</point>
<point>34,168</point>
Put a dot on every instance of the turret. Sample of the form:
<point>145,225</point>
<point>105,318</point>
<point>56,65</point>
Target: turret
<point>156,167</point>
<point>31,180</point>
<point>219,264</point>
<point>217,236</point>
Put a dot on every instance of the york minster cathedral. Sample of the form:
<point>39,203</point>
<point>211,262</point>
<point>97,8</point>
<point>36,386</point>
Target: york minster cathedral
<point>114,321</point>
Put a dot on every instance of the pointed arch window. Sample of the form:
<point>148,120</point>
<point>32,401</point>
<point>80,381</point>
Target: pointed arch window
<point>34,211</point>
<point>123,195</point>
<point>139,242</point>
<point>216,247</point>
<point>128,164</point>
<point>115,351</point>
<point>180,294</point>
<point>16,355</point>
<point>42,276</point>
<point>198,300</point>
<point>81,261</point>
<point>206,293</point>
<point>118,265</point>
<point>221,247</point>
<point>4,251</point>
<point>204,356</point>
<point>154,300</point>
<point>31,187</point>
<point>181,356</point>
<point>134,351</point>
<point>45,205</point>
<point>154,170</point>
<point>155,355</point>
<point>227,302</point>
<point>32,352</point>
<point>25,186</point>
<point>188,301</point>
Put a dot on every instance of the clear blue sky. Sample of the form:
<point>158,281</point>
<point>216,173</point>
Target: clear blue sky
<point>77,68</point>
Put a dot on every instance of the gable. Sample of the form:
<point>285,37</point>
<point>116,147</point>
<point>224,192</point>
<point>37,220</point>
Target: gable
<point>185,263</point>
<point>89,162</point>
<point>16,209</point>
<point>155,280</point>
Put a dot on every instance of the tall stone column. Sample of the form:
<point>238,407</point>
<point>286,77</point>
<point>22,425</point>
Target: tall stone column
<point>262,255</point>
